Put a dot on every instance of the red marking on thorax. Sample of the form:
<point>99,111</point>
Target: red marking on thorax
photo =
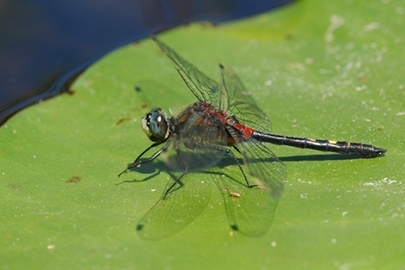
<point>207,108</point>
<point>246,131</point>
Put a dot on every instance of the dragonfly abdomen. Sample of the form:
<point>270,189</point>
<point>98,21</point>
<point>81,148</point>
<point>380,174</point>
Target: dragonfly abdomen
<point>342,147</point>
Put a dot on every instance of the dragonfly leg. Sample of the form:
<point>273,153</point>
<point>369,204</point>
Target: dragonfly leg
<point>229,152</point>
<point>151,158</point>
<point>177,181</point>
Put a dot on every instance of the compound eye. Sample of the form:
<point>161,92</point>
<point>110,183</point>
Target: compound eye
<point>155,125</point>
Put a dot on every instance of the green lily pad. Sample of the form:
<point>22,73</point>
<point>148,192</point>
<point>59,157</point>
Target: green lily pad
<point>319,69</point>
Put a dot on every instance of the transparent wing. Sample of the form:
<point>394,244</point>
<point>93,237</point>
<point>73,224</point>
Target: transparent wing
<point>204,88</point>
<point>240,102</point>
<point>230,96</point>
<point>250,211</point>
<point>192,160</point>
<point>180,207</point>
<point>265,169</point>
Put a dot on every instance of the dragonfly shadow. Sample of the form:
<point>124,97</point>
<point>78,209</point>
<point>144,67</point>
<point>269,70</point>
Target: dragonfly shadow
<point>159,166</point>
<point>229,161</point>
<point>150,176</point>
<point>151,170</point>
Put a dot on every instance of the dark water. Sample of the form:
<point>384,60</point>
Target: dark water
<point>45,44</point>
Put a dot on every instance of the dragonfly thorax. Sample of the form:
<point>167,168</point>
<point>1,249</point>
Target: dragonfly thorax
<point>156,125</point>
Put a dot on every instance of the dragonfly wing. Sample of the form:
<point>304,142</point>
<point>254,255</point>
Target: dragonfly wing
<point>203,87</point>
<point>240,102</point>
<point>250,211</point>
<point>177,209</point>
<point>265,169</point>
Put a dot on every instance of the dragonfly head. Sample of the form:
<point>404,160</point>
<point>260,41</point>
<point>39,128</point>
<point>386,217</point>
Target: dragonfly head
<point>156,125</point>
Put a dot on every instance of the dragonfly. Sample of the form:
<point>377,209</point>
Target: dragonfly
<point>225,123</point>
